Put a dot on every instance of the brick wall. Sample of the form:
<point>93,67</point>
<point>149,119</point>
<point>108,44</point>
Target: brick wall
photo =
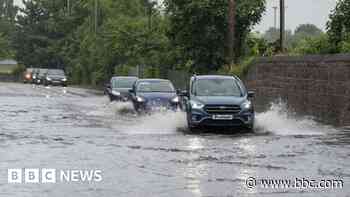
<point>310,85</point>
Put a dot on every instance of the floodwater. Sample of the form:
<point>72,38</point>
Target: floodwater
<point>76,129</point>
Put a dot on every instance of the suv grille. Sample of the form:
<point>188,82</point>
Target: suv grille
<point>222,109</point>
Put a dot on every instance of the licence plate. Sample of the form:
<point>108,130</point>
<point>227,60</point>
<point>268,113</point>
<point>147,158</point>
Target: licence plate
<point>222,117</point>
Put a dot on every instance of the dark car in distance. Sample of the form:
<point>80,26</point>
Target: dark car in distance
<point>35,73</point>
<point>149,95</point>
<point>28,75</point>
<point>119,87</point>
<point>55,77</point>
<point>219,101</point>
<point>40,75</point>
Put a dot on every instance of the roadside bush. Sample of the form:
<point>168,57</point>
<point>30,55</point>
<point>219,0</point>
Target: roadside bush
<point>240,70</point>
<point>20,68</point>
<point>313,45</point>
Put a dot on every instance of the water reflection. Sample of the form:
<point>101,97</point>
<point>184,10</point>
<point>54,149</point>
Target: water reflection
<point>193,172</point>
<point>248,147</point>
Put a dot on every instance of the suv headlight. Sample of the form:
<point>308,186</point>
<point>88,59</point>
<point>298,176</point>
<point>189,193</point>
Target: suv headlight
<point>196,105</point>
<point>115,93</point>
<point>140,99</point>
<point>247,105</point>
<point>175,100</point>
<point>48,78</point>
<point>64,79</point>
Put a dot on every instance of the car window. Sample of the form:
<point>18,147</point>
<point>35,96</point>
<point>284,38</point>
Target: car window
<point>123,82</point>
<point>55,72</point>
<point>42,72</point>
<point>155,86</point>
<point>216,87</point>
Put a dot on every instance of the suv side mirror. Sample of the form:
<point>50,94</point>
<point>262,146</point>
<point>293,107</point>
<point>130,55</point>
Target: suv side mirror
<point>251,94</point>
<point>131,91</point>
<point>184,93</point>
<point>108,85</point>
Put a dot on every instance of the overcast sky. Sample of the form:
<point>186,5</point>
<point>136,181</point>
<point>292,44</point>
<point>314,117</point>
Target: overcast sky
<point>297,12</point>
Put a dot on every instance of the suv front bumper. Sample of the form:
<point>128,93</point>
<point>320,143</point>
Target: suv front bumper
<point>198,118</point>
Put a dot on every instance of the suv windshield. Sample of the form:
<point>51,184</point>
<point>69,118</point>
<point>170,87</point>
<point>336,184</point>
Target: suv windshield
<point>42,72</point>
<point>155,86</point>
<point>123,82</point>
<point>216,87</point>
<point>55,72</point>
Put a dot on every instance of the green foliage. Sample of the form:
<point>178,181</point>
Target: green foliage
<point>307,30</point>
<point>5,48</point>
<point>7,24</point>
<point>313,45</point>
<point>189,36</point>
<point>240,70</point>
<point>256,45</point>
<point>345,45</point>
<point>19,69</point>
<point>339,26</point>
<point>198,29</point>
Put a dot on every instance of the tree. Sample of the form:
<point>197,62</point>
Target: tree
<point>312,45</point>
<point>338,26</point>
<point>308,30</point>
<point>272,36</point>
<point>198,29</point>
<point>5,49</point>
<point>8,13</point>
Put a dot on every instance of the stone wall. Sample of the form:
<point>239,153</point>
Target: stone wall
<point>310,85</point>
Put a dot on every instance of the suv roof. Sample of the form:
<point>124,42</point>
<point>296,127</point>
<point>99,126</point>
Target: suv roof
<point>212,77</point>
<point>125,77</point>
<point>154,80</point>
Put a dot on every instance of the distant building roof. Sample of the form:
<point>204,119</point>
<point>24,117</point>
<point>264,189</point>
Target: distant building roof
<point>8,62</point>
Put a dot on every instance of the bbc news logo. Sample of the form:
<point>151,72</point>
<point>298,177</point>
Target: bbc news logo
<point>36,175</point>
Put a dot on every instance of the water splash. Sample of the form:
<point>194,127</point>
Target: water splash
<point>122,108</point>
<point>157,123</point>
<point>278,120</point>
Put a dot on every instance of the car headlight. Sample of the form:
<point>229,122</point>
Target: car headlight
<point>140,99</point>
<point>247,105</point>
<point>175,100</point>
<point>196,105</point>
<point>64,79</point>
<point>48,78</point>
<point>115,93</point>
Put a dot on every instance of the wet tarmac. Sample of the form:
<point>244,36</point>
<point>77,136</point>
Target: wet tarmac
<point>76,129</point>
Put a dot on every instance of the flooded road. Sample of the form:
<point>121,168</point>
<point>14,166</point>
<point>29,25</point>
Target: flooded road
<point>71,128</point>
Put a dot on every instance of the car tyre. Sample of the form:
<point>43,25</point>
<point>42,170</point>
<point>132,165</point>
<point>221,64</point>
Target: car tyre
<point>191,127</point>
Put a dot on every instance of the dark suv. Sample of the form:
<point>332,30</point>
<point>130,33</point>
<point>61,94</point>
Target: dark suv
<point>219,101</point>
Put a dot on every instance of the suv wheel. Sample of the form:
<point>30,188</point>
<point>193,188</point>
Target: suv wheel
<point>191,127</point>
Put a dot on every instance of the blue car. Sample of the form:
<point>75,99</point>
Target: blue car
<point>149,95</point>
<point>219,101</point>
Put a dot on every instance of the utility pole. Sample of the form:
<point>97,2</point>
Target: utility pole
<point>231,32</point>
<point>282,24</point>
<point>68,7</point>
<point>275,16</point>
<point>96,17</point>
